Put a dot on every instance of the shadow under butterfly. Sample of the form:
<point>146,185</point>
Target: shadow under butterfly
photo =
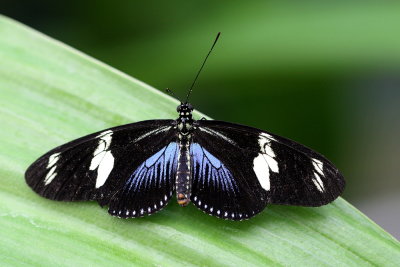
<point>227,170</point>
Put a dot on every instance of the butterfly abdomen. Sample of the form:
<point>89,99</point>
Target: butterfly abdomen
<point>183,174</point>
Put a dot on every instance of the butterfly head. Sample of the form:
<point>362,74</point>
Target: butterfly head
<point>185,110</point>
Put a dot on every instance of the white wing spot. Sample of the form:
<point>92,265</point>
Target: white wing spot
<point>268,136</point>
<point>141,211</point>
<point>318,182</point>
<point>318,166</point>
<point>211,209</point>
<point>265,161</point>
<point>102,159</point>
<point>50,175</point>
<point>218,212</point>
<point>53,160</point>
<point>127,212</point>
<point>133,213</point>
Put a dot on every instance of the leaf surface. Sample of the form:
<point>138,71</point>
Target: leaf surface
<point>51,94</point>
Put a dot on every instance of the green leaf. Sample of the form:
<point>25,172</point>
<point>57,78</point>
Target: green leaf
<point>50,94</point>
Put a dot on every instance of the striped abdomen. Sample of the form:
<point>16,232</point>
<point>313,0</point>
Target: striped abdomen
<point>183,174</point>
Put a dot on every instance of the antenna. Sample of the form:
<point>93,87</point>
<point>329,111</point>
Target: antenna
<point>169,91</point>
<point>204,62</point>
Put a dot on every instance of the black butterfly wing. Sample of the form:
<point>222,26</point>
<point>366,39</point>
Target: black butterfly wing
<point>266,169</point>
<point>131,168</point>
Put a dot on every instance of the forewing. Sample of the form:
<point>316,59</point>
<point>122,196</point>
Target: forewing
<point>98,166</point>
<point>289,172</point>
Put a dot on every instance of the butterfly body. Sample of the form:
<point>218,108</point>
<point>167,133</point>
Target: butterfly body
<point>183,176</point>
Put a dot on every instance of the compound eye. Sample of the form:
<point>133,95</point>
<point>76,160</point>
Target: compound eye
<point>178,108</point>
<point>190,107</point>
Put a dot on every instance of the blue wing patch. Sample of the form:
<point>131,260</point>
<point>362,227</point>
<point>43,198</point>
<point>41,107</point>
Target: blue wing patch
<point>150,186</point>
<point>214,189</point>
<point>209,171</point>
<point>154,171</point>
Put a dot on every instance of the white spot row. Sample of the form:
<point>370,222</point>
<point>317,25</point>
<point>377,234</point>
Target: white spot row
<point>140,213</point>
<point>143,211</point>
<point>51,174</point>
<point>226,214</point>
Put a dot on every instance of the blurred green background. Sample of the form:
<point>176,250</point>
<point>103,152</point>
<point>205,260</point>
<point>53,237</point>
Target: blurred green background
<point>326,74</point>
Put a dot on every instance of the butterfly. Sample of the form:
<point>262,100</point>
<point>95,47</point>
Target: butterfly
<point>227,170</point>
